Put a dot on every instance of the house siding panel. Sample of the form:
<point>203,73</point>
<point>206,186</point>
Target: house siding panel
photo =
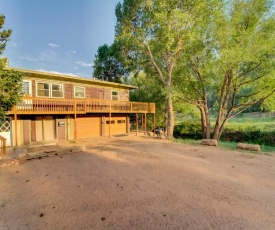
<point>33,88</point>
<point>88,92</point>
<point>68,91</point>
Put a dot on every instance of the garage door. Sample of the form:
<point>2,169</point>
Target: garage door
<point>88,127</point>
<point>118,125</point>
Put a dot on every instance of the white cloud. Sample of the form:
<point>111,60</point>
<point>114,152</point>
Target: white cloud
<point>71,52</point>
<point>52,45</point>
<point>84,64</point>
<point>76,67</point>
<point>48,55</point>
<point>29,59</point>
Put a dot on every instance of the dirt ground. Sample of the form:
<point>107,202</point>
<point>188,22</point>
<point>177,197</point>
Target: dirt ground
<point>140,183</point>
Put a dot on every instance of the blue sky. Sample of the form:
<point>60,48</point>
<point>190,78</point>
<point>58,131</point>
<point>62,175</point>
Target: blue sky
<point>59,36</point>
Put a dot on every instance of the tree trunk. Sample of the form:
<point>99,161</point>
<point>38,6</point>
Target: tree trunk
<point>216,134</point>
<point>205,122</point>
<point>219,127</point>
<point>170,116</point>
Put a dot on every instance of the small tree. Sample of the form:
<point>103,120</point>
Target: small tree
<point>10,80</point>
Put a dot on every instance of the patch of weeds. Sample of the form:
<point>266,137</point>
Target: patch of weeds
<point>188,141</point>
<point>227,145</point>
<point>2,204</point>
<point>268,149</point>
<point>233,146</point>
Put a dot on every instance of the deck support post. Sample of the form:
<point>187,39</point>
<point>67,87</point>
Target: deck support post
<point>154,124</point>
<point>136,124</point>
<point>15,124</point>
<point>75,123</point>
<point>110,117</point>
<point>145,123</point>
<point>142,122</point>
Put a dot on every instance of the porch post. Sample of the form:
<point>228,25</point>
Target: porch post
<point>145,122</point>
<point>75,123</point>
<point>136,124</point>
<point>154,124</point>
<point>142,122</point>
<point>15,124</point>
<point>110,117</point>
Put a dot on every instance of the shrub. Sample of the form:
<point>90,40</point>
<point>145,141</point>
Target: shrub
<point>191,129</point>
<point>255,137</point>
<point>188,129</point>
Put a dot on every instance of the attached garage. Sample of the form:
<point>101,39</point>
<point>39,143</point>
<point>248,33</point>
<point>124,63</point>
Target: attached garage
<point>88,127</point>
<point>118,125</point>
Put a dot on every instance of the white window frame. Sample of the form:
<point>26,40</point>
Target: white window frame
<point>50,89</point>
<point>84,90</point>
<point>30,88</point>
<point>117,95</point>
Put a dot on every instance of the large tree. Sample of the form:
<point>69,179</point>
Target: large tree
<point>10,80</point>
<point>230,66</point>
<point>153,34</point>
<point>108,65</point>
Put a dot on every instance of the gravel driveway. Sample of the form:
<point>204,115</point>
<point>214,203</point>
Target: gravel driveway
<point>140,183</point>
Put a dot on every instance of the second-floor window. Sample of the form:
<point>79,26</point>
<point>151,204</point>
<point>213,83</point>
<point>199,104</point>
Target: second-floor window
<point>49,90</point>
<point>57,90</point>
<point>26,88</point>
<point>79,92</point>
<point>115,95</point>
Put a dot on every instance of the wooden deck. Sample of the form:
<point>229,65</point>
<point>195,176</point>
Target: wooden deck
<point>34,105</point>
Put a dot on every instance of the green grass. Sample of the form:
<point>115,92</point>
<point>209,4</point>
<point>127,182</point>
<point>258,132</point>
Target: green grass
<point>250,122</point>
<point>188,141</point>
<point>225,145</point>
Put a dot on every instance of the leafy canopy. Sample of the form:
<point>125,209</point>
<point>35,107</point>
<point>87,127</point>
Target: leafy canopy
<point>10,80</point>
<point>108,66</point>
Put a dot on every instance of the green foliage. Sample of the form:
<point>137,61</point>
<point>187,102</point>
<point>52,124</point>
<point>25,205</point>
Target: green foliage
<point>269,103</point>
<point>108,66</point>
<point>149,90</point>
<point>4,34</point>
<point>188,129</point>
<point>10,88</point>
<point>215,54</point>
<point>10,80</point>
<point>259,132</point>
<point>152,34</point>
<point>255,137</point>
<point>229,65</point>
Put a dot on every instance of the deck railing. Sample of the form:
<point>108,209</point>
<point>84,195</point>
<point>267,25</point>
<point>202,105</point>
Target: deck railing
<point>34,105</point>
<point>3,146</point>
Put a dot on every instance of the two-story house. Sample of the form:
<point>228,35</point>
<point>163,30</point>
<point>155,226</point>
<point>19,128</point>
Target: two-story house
<point>62,107</point>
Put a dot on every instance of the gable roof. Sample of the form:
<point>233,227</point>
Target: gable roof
<point>64,77</point>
